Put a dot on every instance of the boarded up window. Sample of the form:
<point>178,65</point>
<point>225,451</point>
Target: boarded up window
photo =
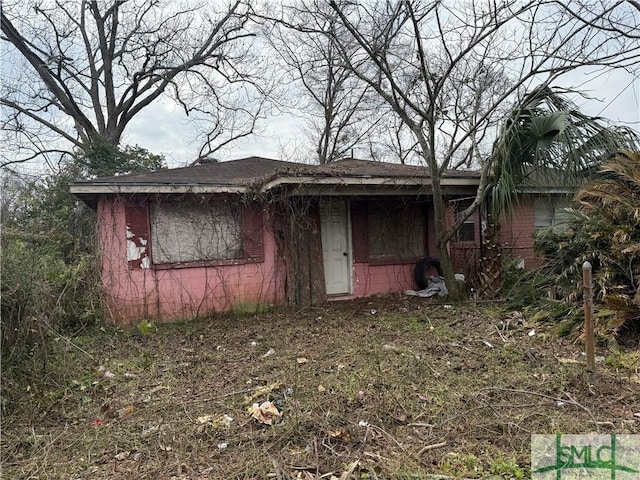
<point>397,231</point>
<point>196,231</point>
<point>359,231</point>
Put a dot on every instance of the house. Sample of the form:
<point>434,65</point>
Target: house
<point>541,203</point>
<point>192,241</point>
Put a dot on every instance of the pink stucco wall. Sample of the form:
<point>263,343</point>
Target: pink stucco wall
<point>378,279</point>
<point>136,294</point>
<point>180,293</point>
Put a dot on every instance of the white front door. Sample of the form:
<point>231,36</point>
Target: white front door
<point>336,254</point>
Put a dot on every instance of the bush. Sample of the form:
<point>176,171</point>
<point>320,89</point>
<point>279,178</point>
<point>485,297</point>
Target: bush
<point>50,283</point>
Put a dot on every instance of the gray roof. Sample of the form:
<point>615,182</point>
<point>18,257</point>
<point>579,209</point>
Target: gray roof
<point>264,174</point>
<point>235,172</point>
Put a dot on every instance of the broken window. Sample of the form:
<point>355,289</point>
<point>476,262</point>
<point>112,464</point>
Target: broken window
<point>192,230</point>
<point>397,231</point>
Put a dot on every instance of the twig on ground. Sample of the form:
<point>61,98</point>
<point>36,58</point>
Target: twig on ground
<point>420,424</point>
<point>571,401</point>
<point>347,473</point>
<point>431,447</point>
<point>501,335</point>
<point>276,469</point>
<point>391,437</point>
<point>220,397</point>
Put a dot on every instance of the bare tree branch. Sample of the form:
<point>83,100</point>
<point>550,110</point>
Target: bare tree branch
<point>101,63</point>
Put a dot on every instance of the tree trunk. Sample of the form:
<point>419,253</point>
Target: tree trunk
<point>439,211</point>
<point>491,275</point>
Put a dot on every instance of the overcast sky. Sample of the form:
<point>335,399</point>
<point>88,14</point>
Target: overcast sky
<point>162,129</point>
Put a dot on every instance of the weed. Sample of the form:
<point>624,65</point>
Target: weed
<point>250,308</point>
<point>147,328</point>
<point>353,399</point>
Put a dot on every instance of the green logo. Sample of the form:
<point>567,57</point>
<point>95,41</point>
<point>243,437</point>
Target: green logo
<point>576,457</point>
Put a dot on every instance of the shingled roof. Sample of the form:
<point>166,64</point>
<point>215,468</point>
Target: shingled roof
<point>264,174</point>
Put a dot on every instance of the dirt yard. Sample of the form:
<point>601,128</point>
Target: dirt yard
<point>381,388</point>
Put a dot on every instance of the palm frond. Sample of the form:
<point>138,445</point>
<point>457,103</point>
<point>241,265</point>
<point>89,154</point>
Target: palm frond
<point>546,138</point>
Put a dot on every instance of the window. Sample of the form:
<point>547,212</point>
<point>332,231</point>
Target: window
<point>396,231</point>
<point>192,230</point>
<point>195,231</point>
<point>549,212</point>
<point>467,231</point>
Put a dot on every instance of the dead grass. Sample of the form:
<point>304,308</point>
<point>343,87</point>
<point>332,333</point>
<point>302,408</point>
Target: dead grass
<point>388,387</point>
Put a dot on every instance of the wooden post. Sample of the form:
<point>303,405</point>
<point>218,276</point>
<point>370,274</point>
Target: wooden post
<point>589,334</point>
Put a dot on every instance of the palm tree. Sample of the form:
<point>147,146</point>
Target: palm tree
<point>547,138</point>
<point>603,229</point>
<point>614,199</point>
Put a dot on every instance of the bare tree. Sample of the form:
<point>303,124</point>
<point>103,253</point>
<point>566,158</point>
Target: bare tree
<point>451,70</point>
<point>340,111</point>
<point>80,71</point>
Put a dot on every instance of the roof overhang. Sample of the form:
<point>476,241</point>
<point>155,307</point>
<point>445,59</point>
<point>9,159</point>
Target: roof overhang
<point>294,185</point>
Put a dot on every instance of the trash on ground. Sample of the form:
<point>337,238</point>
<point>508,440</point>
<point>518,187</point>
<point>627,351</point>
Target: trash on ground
<point>121,456</point>
<point>215,421</point>
<point>435,286</point>
<point>532,333</point>
<point>223,445</point>
<point>373,311</point>
<point>287,392</point>
<point>266,413</point>
<point>301,360</point>
<point>488,344</point>
<point>363,423</point>
<point>401,419</point>
<point>254,344</point>
<point>270,352</point>
<point>151,430</point>
<point>262,391</point>
<point>340,434</point>
<point>125,411</point>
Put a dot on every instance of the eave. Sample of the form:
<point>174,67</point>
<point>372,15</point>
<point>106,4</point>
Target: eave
<point>294,185</point>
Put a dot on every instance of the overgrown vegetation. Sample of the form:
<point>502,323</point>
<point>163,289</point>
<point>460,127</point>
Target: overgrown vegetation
<point>370,392</point>
<point>50,263</point>
<point>384,387</point>
<point>602,228</point>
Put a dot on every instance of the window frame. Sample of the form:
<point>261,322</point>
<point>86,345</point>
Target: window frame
<point>138,221</point>
<point>460,205</point>
<point>556,204</point>
<point>361,219</point>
